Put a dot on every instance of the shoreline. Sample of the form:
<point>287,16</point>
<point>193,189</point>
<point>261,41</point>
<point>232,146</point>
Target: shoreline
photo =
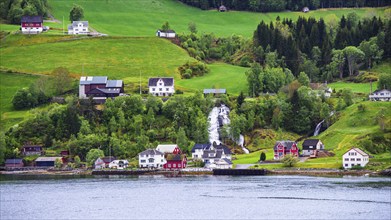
<point>174,173</point>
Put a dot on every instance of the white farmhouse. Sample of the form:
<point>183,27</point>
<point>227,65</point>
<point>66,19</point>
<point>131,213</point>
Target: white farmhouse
<point>166,34</point>
<point>354,157</point>
<point>118,164</point>
<point>31,24</point>
<point>151,158</point>
<point>78,27</point>
<point>161,86</point>
<point>218,156</point>
<point>380,95</point>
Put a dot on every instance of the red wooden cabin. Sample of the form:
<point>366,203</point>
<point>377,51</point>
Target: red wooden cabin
<point>282,148</point>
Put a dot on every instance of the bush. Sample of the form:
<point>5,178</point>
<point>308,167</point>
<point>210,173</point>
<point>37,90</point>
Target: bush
<point>262,157</point>
<point>357,167</point>
<point>289,160</point>
<point>191,69</point>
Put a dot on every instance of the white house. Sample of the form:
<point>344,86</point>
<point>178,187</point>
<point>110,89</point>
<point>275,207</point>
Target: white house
<point>151,158</point>
<point>99,164</point>
<point>311,147</point>
<point>118,164</point>
<point>380,95</point>
<point>78,27</point>
<point>198,150</point>
<point>354,157</point>
<point>166,34</point>
<point>223,163</point>
<point>213,156</point>
<point>161,86</point>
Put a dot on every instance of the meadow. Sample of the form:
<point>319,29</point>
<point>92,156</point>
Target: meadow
<point>9,84</point>
<point>355,87</point>
<point>144,17</point>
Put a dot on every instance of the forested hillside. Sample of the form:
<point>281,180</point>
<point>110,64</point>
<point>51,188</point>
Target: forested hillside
<point>281,5</point>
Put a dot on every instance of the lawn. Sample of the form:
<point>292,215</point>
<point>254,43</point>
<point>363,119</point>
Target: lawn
<point>221,75</point>
<point>355,87</point>
<point>144,17</point>
<point>9,84</point>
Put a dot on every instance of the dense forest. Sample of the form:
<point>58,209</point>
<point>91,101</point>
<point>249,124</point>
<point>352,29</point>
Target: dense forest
<point>13,10</point>
<point>281,5</point>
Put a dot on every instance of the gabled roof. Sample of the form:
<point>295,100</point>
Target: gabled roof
<point>310,142</point>
<point>168,81</point>
<point>75,23</point>
<point>151,152</point>
<point>105,91</point>
<point>224,148</point>
<point>287,144</point>
<point>108,159</point>
<point>166,31</point>
<point>200,147</point>
<point>87,80</point>
<point>41,159</point>
<point>32,19</point>
<point>358,150</point>
<point>13,161</point>
<point>166,148</point>
<point>224,161</point>
<point>218,153</point>
<point>215,91</point>
<point>114,84</point>
<point>381,90</point>
<point>99,161</point>
<point>31,147</point>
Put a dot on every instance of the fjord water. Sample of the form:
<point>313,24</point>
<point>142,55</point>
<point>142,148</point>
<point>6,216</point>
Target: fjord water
<point>195,197</point>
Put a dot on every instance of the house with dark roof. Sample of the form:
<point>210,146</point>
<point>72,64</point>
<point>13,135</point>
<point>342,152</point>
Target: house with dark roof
<point>224,163</point>
<point>163,86</point>
<point>14,163</point>
<point>31,24</point>
<point>32,150</point>
<point>166,33</point>
<point>311,147</point>
<point>210,154</point>
<point>215,92</point>
<point>354,157</point>
<point>282,148</point>
<point>175,161</point>
<point>100,88</point>
<point>380,95</point>
<point>78,27</point>
<point>151,158</point>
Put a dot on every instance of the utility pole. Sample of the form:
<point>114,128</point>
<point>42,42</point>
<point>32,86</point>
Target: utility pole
<point>140,81</point>
<point>63,28</point>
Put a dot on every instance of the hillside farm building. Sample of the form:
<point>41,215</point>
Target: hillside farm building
<point>99,88</point>
<point>161,86</point>
<point>78,27</point>
<point>32,24</point>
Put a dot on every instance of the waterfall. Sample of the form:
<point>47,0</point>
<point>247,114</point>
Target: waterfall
<point>317,129</point>
<point>218,117</point>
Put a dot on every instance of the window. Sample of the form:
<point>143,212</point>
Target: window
<point>346,164</point>
<point>160,84</point>
<point>351,159</point>
<point>142,161</point>
<point>358,159</point>
<point>196,156</point>
<point>160,89</point>
<point>153,89</point>
<point>174,165</point>
<point>179,165</point>
<point>162,160</point>
<point>169,165</point>
<point>166,89</point>
<point>151,160</point>
<point>346,159</point>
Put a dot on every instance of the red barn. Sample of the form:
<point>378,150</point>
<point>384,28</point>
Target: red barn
<point>32,24</point>
<point>282,148</point>
<point>175,161</point>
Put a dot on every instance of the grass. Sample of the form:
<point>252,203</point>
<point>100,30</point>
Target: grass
<point>117,57</point>
<point>384,67</point>
<point>143,17</point>
<point>221,75</point>
<point>9,84</point>
<point>355,87</point>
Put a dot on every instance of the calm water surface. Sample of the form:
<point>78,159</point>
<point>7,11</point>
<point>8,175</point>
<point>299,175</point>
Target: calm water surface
<point>195,197</point>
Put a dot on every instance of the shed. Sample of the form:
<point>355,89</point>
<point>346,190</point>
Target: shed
<point>306,9</point>
<point>14,163</point>
<point>46,161</point>
<point>222,8</point>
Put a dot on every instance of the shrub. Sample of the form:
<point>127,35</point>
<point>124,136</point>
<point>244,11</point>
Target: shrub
<point>262,157</point>
<point>289,161</point>
<point>191,69</point>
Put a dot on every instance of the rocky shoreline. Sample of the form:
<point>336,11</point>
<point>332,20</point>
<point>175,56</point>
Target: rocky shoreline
<point>294,172</point>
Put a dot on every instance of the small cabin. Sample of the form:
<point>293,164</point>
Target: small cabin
<point>222,8</point>
<point>14,163</point>
<point>166,33</point>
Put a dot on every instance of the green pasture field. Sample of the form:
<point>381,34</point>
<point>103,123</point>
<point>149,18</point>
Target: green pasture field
<point>355,87</point>
<point>9,84</point>
<point>144,17</point>
<point>116,57</point>
<point>221,76</point>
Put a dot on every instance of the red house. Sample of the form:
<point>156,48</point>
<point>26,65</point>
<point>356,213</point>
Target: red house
<point>282,148</point>
<point>175,161</point>
<point>32,24</point>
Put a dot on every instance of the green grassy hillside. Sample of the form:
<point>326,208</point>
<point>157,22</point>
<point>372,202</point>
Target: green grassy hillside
<point>143,17</point>
<point>347,132</point>
<point>9,84</point>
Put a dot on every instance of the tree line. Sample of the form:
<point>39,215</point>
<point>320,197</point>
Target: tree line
<point>281,5</point>
<point>13,10</point>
